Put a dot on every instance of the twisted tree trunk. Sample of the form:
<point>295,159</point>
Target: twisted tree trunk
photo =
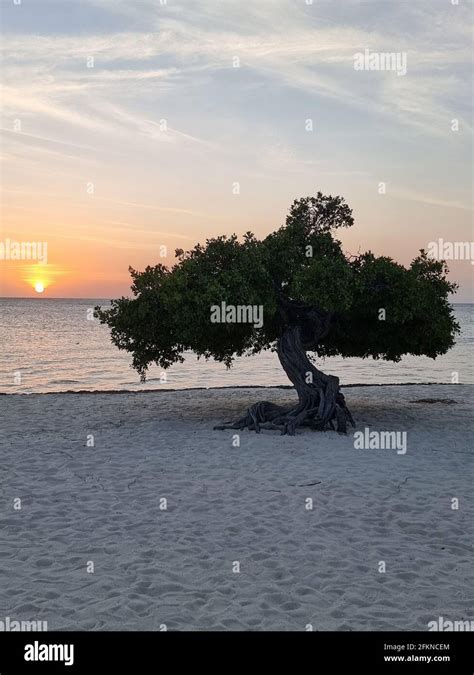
<point>321,405</point>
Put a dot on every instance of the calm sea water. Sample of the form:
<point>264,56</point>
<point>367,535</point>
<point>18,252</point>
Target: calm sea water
<point>50,345</point>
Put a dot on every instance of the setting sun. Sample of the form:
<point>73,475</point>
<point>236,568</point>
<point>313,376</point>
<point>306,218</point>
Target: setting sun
<point>39,287</point>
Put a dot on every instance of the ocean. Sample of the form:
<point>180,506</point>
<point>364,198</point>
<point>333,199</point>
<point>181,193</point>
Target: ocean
<point>51,345</point>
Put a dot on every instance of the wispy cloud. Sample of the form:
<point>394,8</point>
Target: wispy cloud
<point>46,72</point>
<point>143,100</point>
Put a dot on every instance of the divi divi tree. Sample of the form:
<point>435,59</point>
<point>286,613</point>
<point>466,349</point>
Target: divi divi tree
<point>315,301</point>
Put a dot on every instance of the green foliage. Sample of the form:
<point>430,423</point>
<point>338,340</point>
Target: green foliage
<point>417,317</point>
<point>301,263</point>
<point>325,282</point>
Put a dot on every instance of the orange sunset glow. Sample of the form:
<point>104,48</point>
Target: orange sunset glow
<point>112,166</point>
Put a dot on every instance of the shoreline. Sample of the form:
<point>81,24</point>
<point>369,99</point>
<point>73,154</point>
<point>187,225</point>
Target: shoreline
<point>237,386</point>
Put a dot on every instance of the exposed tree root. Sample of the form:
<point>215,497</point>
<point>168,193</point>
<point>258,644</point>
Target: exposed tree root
<point>321,404</point>
<point>266,415</point>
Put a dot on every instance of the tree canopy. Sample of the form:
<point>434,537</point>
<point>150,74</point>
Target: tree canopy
<point>299,269</point>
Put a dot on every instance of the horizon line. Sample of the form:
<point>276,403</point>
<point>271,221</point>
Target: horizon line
<point>33,297</point>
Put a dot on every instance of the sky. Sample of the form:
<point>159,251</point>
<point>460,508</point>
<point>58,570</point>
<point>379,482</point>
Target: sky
<point>129,129</point>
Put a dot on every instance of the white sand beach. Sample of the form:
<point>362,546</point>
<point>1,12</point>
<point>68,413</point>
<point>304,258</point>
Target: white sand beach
<point>226,504</point>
